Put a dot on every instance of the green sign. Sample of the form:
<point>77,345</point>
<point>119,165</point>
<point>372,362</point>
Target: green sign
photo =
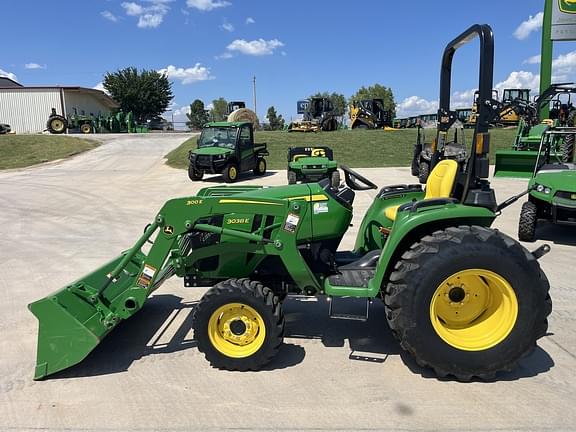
<point>564,20</point>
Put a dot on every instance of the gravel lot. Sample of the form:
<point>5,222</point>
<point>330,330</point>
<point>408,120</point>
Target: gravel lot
<point>61,220</point>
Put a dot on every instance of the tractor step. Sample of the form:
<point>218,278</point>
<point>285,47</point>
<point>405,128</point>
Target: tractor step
<point>352,278</point>
<point>345,316</point>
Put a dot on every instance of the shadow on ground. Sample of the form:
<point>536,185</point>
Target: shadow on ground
<point>217,178</point>
<point>557,234</point>
<point>164,326</point>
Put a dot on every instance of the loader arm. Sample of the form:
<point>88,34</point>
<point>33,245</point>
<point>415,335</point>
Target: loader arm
<point>75,319</point>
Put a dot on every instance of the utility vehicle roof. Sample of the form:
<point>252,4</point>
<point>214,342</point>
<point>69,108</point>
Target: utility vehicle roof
<point>227,124</point>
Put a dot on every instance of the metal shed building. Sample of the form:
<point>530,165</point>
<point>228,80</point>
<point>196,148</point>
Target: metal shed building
<point>26,109</point>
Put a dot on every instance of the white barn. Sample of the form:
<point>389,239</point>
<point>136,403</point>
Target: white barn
<point>26,109</point>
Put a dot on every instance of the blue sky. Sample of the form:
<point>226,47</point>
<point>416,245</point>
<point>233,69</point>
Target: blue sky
<point>213,48</point>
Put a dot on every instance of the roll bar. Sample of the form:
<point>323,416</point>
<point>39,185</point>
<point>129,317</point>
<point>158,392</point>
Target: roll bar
<point>477,169</point>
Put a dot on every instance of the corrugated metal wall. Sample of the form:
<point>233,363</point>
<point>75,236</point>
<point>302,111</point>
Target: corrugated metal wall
<point>27,110</point>
<point>83,101</point>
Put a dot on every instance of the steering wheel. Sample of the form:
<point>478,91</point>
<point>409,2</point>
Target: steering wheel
<point>355,181</point>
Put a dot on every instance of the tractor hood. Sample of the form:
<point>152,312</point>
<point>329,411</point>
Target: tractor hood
<point>563,180</point>
<point>212,151</point>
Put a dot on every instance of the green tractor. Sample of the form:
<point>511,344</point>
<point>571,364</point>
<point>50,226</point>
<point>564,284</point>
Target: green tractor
<point>451,285</point>
<point>312,164</point>
<point>227,148</point>
<point>521,160</point>
<point>552,188</point>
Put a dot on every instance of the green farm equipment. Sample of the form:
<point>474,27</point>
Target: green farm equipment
<point>521,160</point>
<point>451,287</point>
<point>227,148</point>
<point>312,164</point>
<point>552,188</point>
<point>424,153</point>
<point>118,122</point>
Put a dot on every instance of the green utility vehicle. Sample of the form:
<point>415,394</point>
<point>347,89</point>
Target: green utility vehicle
<point>552,188</point>
<point>450,284</point>
<point>227,148</point>
<point>312,164</point>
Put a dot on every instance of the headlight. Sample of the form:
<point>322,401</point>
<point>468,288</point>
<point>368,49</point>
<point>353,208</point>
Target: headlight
<point>542,189</point>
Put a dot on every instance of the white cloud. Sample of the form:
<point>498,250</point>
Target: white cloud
<point>10,75</point>
<point>100,86</point>
<point>250,20</point>
<point>532,24</point>
<point>532,60</point>
<point>109,16</point>
<point>227,26</point>
<point>414,105</point>
<point>224,56</point>
<point>34,66</point>
<point>207,5</point>
<point>188,75</point>
<point>148,16</point>
<point>519,79</point>
<point>257,47</point>
<point>565,64</point>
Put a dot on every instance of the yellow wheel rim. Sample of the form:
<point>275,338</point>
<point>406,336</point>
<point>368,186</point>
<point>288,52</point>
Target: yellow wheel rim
<point>474,310</point>
<point>236,330</point>
<point>232,173</point>
<point>57,125</point>
<point>261,166</point>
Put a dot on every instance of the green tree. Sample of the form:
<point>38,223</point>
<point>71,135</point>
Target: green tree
<point>146,93</point>
<point>197,116</point>
<point>275,121</point>
<point>338,100</point>
<point>377,91</point>
<point>219,109</point>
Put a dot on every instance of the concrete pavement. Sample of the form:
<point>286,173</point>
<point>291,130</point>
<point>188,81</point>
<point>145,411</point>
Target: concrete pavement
<point>61,220</point>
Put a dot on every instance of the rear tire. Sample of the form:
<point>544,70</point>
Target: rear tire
<point>567,149</point>
<point>292,177</point>
<point>423,171</point>
<point>335,179</point>
<point>239,325</point>
<point>528,221</point>
<point>57,124</point>
<point>498,288</point>
<point>194,174</point>
<point>260,167</point>
<point>230,173</point>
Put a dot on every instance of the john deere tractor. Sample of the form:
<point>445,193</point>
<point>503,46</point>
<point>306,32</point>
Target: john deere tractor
<point>227,148</point>
<point>462,298</point>
<point>312,164</point>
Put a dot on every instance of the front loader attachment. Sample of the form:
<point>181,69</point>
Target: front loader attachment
<point>515,163</point>
<point>73,320</point>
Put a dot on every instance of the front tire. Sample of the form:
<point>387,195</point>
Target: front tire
<point>230,173</point>
<point>527,222</point>
<point>239,325</point>
<point>194,174</point>
<point>86,128</point>
<point>423,171</point>
<point>260,167</point>
<point>468,302</point>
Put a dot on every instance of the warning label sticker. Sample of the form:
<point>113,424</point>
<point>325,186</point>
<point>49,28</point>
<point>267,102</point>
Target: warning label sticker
<point>291,222</point>
<point>320,207</point>
<point>146,276</point>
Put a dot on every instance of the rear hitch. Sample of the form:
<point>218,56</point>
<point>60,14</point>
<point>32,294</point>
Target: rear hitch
<point>541,251</point>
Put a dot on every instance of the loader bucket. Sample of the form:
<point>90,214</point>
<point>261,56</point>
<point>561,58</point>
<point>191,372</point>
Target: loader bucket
<point>514,163</point>
<point>71,323</point>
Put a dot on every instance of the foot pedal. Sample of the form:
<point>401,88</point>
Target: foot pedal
<point>349,317</point>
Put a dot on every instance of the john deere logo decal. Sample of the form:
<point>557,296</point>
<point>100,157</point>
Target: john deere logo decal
<point>567,6</point>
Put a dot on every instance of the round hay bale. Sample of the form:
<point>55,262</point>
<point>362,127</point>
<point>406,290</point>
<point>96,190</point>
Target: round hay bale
<point>244,114</point>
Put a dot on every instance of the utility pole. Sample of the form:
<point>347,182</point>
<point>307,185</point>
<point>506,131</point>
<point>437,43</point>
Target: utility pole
<point>254,93</point>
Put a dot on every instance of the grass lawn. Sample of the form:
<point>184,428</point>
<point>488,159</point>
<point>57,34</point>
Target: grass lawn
<point>18,151</point>
<point>360,149</point>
